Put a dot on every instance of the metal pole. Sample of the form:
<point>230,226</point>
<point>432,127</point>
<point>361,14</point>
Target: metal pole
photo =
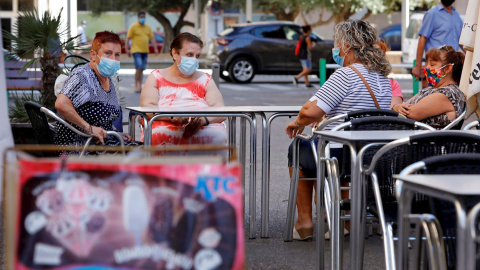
<point>405,19</point>
<point>415,82</point>
<point>197,16</point>
<point>249,11</point>
<point>323,71</point>
<point>216,74</point>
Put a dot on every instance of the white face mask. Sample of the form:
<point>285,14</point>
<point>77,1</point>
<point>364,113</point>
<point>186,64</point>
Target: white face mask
<point>188,65</point>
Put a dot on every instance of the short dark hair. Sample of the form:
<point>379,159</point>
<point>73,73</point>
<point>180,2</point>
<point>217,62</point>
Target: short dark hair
<point>141,13</point>
<point>306,28</point>
<point>104,37</point>
<point>177,42</point>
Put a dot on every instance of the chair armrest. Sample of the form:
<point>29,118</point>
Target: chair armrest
<point>63,122</point>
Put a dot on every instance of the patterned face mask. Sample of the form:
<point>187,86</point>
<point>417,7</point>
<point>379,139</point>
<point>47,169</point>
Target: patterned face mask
<point>434,75</point>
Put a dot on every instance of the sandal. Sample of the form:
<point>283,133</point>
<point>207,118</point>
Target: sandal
<point>302,234</point>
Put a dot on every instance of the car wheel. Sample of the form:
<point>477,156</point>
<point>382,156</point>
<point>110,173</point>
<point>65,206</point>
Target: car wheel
<point>241,70</point>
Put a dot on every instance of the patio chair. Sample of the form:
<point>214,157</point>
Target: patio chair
<point>44,131</point>
<point>332,185</point>
<point>287,236</point>
<point>465,163</point>
<point>391,159</point>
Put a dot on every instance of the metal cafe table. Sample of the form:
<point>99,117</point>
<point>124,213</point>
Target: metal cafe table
<point>452,188</point>
<point>349,138</point>
<point>245,113</point>
<point>277,111</point>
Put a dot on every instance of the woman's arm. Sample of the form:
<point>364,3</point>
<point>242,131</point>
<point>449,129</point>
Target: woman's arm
<point>309,113</point>
<point>309,43</point>
<point>432,105</point>
<point>65,107</point>
<point>214,98</point>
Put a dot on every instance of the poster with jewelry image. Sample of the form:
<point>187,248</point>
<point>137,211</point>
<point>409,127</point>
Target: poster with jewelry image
<point>87,214</point>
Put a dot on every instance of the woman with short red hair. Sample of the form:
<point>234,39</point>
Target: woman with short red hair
<point>88,99</point>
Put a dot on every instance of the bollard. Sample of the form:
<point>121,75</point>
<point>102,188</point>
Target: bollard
<point>216,73</point>
<point>322,66</point>
<point>415,82</point>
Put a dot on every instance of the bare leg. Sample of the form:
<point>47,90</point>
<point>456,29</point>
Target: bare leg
<point>301,74</point>
<point>305,75</point>
<point>304,203</point>
<point>138,79</point>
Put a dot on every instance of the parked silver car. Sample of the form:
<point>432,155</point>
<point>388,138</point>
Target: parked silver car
<point>245,50</point>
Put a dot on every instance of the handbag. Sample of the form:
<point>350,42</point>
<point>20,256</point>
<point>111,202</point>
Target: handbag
<point>299,45</point>
<point>366,84</point>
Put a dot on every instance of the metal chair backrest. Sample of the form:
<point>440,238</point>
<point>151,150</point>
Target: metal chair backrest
<point>39,116</point>
<point>458,122</point>
<point>395,156</point>
<point>463,163</point>
<point>38,119</point>
<point>374,123</point>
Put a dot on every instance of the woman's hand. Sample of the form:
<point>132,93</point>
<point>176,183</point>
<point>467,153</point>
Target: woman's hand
<point>126,137</point>
<point>192,127</point>
<point>99,133</point>
<point>293,129</point>
<point>403,109</point>
<point>180,120</point>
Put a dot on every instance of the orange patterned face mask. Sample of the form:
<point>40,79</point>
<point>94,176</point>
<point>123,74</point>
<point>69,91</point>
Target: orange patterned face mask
<point>434,75</point>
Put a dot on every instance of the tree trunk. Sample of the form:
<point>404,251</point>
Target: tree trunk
<point>167,29</point>
<point>50,70</point>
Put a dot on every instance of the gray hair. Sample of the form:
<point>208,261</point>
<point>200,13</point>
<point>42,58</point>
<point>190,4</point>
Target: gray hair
<point>362,38</point>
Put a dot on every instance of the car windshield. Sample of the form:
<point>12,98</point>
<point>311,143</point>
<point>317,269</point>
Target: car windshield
<point>316,36</point>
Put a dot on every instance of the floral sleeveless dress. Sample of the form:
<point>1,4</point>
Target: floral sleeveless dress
<point>190,94</point>
<point>453,93</point>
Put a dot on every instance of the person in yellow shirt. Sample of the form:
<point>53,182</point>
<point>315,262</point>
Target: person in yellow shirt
<point>139,34</point>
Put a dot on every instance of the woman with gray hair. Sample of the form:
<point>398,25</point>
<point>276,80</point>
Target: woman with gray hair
<point>360,59</point>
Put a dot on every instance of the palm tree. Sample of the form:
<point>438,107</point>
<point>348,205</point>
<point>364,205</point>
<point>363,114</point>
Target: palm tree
<point>39,40</point>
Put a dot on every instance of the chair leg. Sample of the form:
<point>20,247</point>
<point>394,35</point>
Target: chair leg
<point>335,230</point>
<point>292,198</point>
<point>387,232</point>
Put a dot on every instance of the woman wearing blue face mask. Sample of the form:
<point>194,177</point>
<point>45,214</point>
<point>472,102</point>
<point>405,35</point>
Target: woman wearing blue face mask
<point>356,50</point>
<point>182,85</point>
<point>88,99</point>
<point>442,101</point>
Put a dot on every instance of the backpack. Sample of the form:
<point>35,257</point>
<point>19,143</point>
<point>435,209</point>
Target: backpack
<point>299,45</point>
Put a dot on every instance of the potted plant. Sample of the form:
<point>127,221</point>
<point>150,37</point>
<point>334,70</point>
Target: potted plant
<point>38,40</point>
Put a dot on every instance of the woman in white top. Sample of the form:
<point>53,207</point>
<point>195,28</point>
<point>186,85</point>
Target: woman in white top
<point>355,46</point>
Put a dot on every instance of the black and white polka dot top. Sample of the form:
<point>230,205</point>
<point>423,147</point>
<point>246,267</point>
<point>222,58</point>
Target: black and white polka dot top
<point>95,105</point>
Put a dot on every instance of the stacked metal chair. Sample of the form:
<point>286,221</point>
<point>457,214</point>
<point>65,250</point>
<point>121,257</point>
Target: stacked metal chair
<point>391,159</point>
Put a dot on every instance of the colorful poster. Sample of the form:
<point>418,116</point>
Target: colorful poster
<point>89,215</point>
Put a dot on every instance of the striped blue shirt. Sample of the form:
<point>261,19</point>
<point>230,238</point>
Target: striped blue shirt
<point>344,91</point>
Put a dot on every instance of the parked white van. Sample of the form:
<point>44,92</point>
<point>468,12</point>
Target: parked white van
<point>409,45</point>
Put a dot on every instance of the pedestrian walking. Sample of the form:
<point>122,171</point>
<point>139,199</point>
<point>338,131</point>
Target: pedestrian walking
<point>139,34</point>
<point>304,46</point>
<point>82,39</point>
<point>441,26</point>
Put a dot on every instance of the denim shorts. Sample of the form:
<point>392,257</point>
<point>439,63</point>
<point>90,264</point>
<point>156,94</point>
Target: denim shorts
<point>140,60</point>
<point>306,63</point>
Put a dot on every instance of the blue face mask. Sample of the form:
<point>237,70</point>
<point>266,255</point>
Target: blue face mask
<point>108,67</point>
<point>188,65</point>
<point>336,56</point>
<point>142,20</point>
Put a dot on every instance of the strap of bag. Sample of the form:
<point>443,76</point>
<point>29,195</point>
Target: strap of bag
<point>368,86</point>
